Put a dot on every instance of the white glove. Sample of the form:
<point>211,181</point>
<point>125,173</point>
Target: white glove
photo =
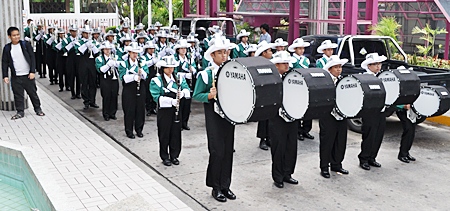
<point>188,76</point>
<point>136,78</point>
<point>181,94</point>
<point>111,63</point>
<point>27,39</point>
<point>174,102</point>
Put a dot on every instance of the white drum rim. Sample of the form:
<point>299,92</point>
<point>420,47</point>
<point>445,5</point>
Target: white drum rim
<point>337,107</point>
<point>415,107</point>
<point>399,88</point>
<point>307,88</point>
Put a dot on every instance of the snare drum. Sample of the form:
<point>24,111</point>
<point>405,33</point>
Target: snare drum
<point>432,101</point>
<point>359,94</point>
<point>402,86</point>
<point>307,94</point>
<point>248,90</point>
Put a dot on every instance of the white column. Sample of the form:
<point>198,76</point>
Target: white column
<point>149,12</point>
<point>26,6</point>
<point>132,13</point>
<point>170,13</point>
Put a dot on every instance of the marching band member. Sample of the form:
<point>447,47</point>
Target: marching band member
<point>137,30</point>
<point>106,64</point>
<point>242,46</point>
<point>27,31</point>
<point>298,48</point>
<point>212,30</point>
<point>161,42</point>
<point>141,38</point>
<point>333,129</point>
<point>61,60</point>
<point>194,50</point>
<point>150,59</point>
<point>279,45</point>
<point>167,89</point>
<point>173,38</point>
<point>283,135</point>
<point>38,37</point>
<point>373,125</point>
<point>133,73</point>
<point>186,70</point>
<point>122,52</point>
<point>110,37</point>
<point>250,52</point>
<point>88,73</point>
<point>96,36</point>
<point>125,29</point>
<point>50,55</point>
<point>264,50</point>
<point>326,47</point>
<point>152,33</point>
<point>174,29</point>
<point>73,63</point>
<point>220,132</point>
<point>158,26</point>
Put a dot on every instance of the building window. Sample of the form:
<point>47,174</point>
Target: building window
<point>97,6</point>
<point>51,6</point>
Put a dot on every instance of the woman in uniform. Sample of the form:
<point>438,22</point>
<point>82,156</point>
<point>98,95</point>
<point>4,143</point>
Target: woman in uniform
<point>150,59</point>
<point>279,45</point>
<point>243,44</point>
<point>327,48</point>
<point>125,41</point>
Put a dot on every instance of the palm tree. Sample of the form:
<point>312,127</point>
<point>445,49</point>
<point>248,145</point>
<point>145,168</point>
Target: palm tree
<point>429,35</point>
<point>387,26</point>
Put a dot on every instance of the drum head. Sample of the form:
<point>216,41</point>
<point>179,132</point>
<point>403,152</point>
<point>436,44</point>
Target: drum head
<point>349,96</point>
<point>295,95</point>
<point>235,92</point>
<point>391,85</point>
<point>427,104</point>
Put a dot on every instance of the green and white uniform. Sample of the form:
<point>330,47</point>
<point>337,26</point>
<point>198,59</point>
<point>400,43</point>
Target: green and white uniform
<point>322,61</point>
<point>300,61</point>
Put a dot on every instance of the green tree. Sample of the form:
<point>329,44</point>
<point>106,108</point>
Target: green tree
<point>387,26</point>
<point>429,35</point>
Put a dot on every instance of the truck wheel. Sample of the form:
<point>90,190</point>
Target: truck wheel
<point>355,125</point>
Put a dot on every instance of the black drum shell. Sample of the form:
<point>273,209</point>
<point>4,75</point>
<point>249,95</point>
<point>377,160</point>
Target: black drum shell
<point>409,86</point>
<point>444,105</point>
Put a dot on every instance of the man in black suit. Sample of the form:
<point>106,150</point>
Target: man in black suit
<point>18,56</point>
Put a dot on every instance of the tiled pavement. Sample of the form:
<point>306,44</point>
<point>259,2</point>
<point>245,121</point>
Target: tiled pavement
<point>92,173</point>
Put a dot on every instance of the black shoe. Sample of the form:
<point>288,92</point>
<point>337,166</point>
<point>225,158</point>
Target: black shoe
<point>60,90</point>
<point>268,141</point>
<point>86,107</point>
<point>278,184</point>
<point>131,136</point>
<point>106,118</point>
<point>300,137</point>
<point>365,166</point>
<point>309,136</point>
<point>167,162</point>
<point>411,158</point>
<point>374,163</point>
<point>78,97</point>
<point>149,113</point>
<point>44,76</point>
<point>56,82</point>
<point>229,194</point>
<point>140,135</point>
<point>291,180</point>
<point>404,159</point>
<point>186,127</point>
<point>175,161</point>
<point>113,117</point>
<point>340,170</point>
<point>153,111</point>
<point>218,195</point>
<point>325,173</point>
<point>73,97</point>
<point>51,83</point>
<point>263,145</point>
<point>68,89</point>
<point>93,105</point>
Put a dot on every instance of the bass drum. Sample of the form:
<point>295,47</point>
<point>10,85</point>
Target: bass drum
<point>359,94</point>
<point>432,101</point>
<point>248,90</point>
<point>307,94</point>
<point>402,86</point>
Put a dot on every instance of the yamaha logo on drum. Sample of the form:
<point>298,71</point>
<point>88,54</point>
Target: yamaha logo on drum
<point>295,81</point>
<point>240,76</point>
<point>388,79</point>
<point>349,86</point>
<point>427,93</point>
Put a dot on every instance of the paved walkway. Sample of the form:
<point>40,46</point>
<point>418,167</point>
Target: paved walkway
<point>92,173</point>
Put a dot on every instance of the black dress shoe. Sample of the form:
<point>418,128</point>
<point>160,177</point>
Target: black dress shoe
<point>93,105</point>
<point>60,90</point>
<point>374,163</point>
<point>131,136</point>
<point>167,162</point>
<point>268,141</point>
<point>309,136</point>
<point>106,118</point>
<point>51,83</point>
<point>325,173</point>
<point>300,137</point>
<point>340,170</point>
<point>149,113</point>
<point>229,194</point>
<point>175,161</point>
<point>78,97</point>
<point>365,166</point>
<point>403,159</point>
<point>263,145</point>
<point>278,184</point>
<point>411,158</point>
<point>218,195</point>
<point>140,135</point>
<point>291,180</point>
<point>153,111</point>
<point>73,97</point>
<point>68,89</point>
<point>86,107</point>
<point>113,117</point>
<point>186,127</point>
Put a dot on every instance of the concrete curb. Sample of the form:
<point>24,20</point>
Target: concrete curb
<point>443,120</point>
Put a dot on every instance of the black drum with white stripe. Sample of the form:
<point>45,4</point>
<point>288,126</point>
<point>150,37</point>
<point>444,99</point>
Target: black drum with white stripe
<point>307,94</point>
<point>248,90</point>
<point>432,101</point>
<point>402,86</point>
<point>359,94</point>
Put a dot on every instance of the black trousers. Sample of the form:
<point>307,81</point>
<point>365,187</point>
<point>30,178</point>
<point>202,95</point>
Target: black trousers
<point>51,64</point>
<point>62,71</point>
<point>373,128</point>
<point>150,104</point>
<point>39,55</point>
<point>169,134</point>
<point>88,78</point>
<point>304,126</point>
<point>283,147</point>
<point>409,131</point>
<point>109,89</point>
<point>72,66</point>
<point>333,142</point>
<point>263,129</point>
<point>19,84</point>
<point>133,107</point>
<point>220,135</point>
<point>185,109</point>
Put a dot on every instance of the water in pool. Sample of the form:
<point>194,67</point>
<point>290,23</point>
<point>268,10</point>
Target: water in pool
<point>13,199</point>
